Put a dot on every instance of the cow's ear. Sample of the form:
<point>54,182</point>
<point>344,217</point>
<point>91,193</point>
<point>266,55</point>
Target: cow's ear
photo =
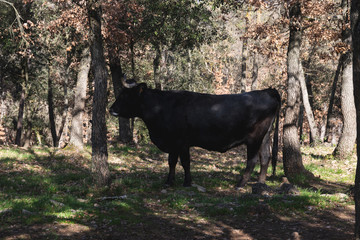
<point>141,88</point>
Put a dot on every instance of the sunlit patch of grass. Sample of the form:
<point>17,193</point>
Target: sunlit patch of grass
<point>341,174</point>
<point>175,201</point>
<point>122,149</point>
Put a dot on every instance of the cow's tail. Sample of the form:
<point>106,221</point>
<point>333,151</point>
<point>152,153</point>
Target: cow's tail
<point>276,141</point>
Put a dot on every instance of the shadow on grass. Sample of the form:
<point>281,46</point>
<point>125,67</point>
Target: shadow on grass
<point>50,195</point>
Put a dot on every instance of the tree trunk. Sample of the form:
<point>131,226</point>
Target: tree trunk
<point>347,139</point>
<point>255,71</point>
<point>323,123</point>
<point>19,125</point>
<point>51,108</point>
<point>64,117</point>
<point>156,65</point>
<point>314,137</point>
<point>189,65</point>
<point>332,97</point>
<point>293,165</point>
<point>28,135</point>
<point>355,26</point>
<point>132,58</point>
<point>76,135</point>
<point>100,168</point>
<point>125,130</point>
<point>243,64</point>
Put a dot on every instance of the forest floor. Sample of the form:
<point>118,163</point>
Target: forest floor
<point>49,194</point>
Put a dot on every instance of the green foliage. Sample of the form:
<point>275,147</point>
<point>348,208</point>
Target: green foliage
<point>176,24</point>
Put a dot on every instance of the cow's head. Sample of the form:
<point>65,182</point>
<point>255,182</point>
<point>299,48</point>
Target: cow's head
<point>128,102</point>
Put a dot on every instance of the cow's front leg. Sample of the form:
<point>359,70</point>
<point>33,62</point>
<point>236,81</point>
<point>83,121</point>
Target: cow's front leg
<point>173,158</point>
<point>185,162</point>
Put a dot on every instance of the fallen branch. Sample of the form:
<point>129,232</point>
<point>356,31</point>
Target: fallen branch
<point>112,198</point>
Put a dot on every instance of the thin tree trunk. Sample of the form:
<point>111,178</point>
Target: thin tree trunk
<point>132,58</point>
<point>28,135</point>
<point>20,119</point>
<point>293,165</point>
<point>332,97</point>
<point>347,139</point>
<point>76,136</point>
<point>243,64</point>
<point>314,137</point>
<point>100,168</point>
<point>156,65</point>
<point>64,117</point>
<point>51,108</point>
<point>189,65</point>
<point>255,71</point>
<point>19,125</point>
<point>355,26</point>
<point>323,123</point>
<point>125,130</point>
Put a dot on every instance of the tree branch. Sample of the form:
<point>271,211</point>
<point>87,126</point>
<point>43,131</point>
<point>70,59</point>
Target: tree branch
<point>18,19</point>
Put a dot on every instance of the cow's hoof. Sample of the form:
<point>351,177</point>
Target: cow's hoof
<point>187,184</point>
<point>241,183</point>
<point>168,184</point>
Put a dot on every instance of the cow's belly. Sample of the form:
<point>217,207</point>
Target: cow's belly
<point>175,142</point>
<point>216,144</point>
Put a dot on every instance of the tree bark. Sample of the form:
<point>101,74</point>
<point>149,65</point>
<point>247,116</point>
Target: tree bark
<point>64,117</point>
<point>28,135</point>
<point>50,99</point>
<point>76,135</point>
<point>255,71</point>
<point>132,58</point>
<point>100,168</point>
<point>355,26</point>
<point>314,137</point>
<point>125,129</point>
<point>156,65</point>
<point>293,165</point>
<point>243,62</point>
<point>301,123</point>
<point>19,125</point>
<point>332,97</point>
<point>347,139</point>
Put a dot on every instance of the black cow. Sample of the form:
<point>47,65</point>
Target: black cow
<point>178,120</point>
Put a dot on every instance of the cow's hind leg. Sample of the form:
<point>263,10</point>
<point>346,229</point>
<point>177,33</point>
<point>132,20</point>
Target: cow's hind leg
<point>173,158</point>
<point>185,162</point>
<point>264,155</point>
<point>252,157</point>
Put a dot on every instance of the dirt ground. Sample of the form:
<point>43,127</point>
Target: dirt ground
<point>331,224</point>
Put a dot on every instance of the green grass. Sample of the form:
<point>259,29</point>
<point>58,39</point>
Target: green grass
<point>32,180</point>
